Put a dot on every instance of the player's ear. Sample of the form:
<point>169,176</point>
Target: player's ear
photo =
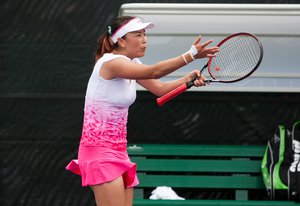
<point>121,42</point>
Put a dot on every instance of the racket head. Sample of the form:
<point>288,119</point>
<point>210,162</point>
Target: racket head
<point>239,56</point>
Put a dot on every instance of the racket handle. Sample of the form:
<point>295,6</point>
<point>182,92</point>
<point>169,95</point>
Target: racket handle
<point>174,93</point>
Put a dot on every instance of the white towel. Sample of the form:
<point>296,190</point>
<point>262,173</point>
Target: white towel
<point>164,193</point>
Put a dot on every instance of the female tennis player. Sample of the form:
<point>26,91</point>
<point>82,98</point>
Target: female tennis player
<point>103,162</point>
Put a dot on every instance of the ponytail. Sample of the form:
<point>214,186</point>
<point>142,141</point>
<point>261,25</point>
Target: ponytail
<point>105,45</point>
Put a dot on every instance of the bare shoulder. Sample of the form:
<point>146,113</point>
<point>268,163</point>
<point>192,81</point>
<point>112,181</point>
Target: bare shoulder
<point>118,67</point>
<point>117,62</point>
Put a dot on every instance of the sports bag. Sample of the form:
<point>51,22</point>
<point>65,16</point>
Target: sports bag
<point>281,164</point>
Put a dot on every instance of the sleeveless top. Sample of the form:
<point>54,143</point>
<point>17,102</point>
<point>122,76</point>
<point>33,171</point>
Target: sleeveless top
<point>106,108</point>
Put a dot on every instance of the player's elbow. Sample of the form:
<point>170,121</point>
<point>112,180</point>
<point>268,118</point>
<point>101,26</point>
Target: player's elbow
<point>155,72</point>
<point>156,75</point>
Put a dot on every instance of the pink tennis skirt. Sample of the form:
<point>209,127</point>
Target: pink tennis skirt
<point>98,165</point>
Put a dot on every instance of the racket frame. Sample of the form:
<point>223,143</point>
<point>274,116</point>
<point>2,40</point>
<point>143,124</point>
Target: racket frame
<point>243,77</point>
<point>160,101</point>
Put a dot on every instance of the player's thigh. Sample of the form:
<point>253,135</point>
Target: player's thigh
<point>129,196</point>
<point>110,193</point>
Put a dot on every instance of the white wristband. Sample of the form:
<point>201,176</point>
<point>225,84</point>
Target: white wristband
<point>192,56</point>
<point>193,51</point>
<point>184,59</point>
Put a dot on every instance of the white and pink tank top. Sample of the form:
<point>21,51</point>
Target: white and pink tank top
<point>106,108</point>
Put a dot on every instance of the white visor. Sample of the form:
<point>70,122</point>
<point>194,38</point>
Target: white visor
<point>132,25</point>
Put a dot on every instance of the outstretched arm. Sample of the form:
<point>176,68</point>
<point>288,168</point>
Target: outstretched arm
<point>122,68</point>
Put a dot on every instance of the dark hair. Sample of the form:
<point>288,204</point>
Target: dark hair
<point>105,44</point>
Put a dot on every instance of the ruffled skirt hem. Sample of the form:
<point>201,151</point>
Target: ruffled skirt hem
<point>100,165</point>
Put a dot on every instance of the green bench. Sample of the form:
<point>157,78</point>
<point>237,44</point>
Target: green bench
<point>201,168</point>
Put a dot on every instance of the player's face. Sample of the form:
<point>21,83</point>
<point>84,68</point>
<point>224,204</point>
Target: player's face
<point>136,43</point>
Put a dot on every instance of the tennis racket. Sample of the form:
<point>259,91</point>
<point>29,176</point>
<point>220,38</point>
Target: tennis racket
<point>239,56</point>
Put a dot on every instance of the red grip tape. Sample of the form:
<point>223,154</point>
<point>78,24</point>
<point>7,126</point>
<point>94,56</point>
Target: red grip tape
<point>160,101</point>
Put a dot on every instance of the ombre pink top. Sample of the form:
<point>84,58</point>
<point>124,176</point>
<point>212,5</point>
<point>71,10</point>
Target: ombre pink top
<point>106,108</point>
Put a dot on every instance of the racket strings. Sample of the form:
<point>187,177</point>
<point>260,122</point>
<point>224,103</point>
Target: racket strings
<point>237,57</point>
